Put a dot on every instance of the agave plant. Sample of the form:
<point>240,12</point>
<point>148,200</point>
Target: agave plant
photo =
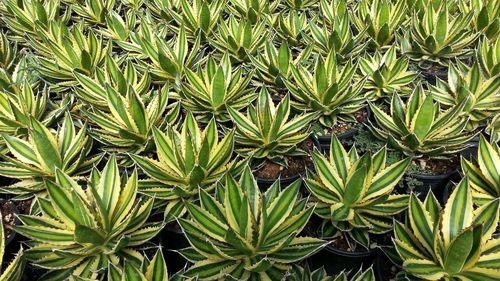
<point>301,4</point>
<point>18,106</point>
<point>8,53</point>
<point>354,193</point>
<point>123,79</point>
<point>331,92</point>
<point>239,37</point>
<point>38,158</point>
<point>168,60</point>
<point>305,274</point>
<point>493,128</point>
<point>252,10</point>
<point>267,132</point>
<point>21,17</point>
<point>338,37</point>
<point>14,270</point>
<point>483,174</point>
<point>381,19</point>
<point>485,18</point>
<point>81,231</point>
<point>188,160</point>
<point>387,74</point>
<point>488,57</point>
<point>292,27</point>
<point>118,28</point>
<point>199,17</point>
<point>126,125</point>
<point>453,243</point>
<point>420,127</point>
<point>274,65</point>
<point>63,50</point>
<point>243,234</point>
<point>469,83</point>
<point>437,36</point>
<point>149,270</point>
<point>92,11</point>
<point>210,91</point>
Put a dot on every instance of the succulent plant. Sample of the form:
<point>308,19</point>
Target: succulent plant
<point>464,82</point>
<point>339,37</point>
<point>123,79</point>
<point>149,270</point>
<point>252,10</point>
<point>168,61</point>
<point>301,4</point>
<point>488,57</point>
<point>419,127</point>
<point>82,230</point>
<point>485,18</point>
<point>493,128</point>
<point>37,159</point>
<point>125,126</point>
<point>243,234</point>
<point>387,74</point>
<point>353,192</point>
<point>291,27</point>
<point>210,91</point>
<point>305,274</point>
<point>22,17</point>
<point>188,161</point>
<point>8,52</point>
<point>63,50</point>
<point>14,270</point>
<point>27,102</point>
<point>93,11</point>
<point>331,91</point>
<point>484,173</point>
<point>381,19</point>
<point>274,65</point>
<point>199,17</point>
<point>239,37</point>
<point>438,36</point>
<point>268,132</point>
<point>450,243</point>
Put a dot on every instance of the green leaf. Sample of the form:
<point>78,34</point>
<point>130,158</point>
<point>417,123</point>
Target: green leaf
<point>424,118</point>
<point>85,234</point>
<point>458,251</point>
<point>218,88</point>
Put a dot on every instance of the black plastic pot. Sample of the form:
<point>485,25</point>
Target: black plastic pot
<point>383,267</point>
<point>434,183</point>
<point>285,181</point>
<point>12,235</point>
<point>448,188</point>
<point>173,239</point>
<point>335,261</point>
<point>325,140</point>
<point>471,151</point>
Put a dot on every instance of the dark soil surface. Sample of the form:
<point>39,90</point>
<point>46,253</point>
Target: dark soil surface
<point>341,243</point>
<point>342,127</point>
<point>7,209</point>
<point>436,166</point>
<point>296,165</point>
<point>24,206</point>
